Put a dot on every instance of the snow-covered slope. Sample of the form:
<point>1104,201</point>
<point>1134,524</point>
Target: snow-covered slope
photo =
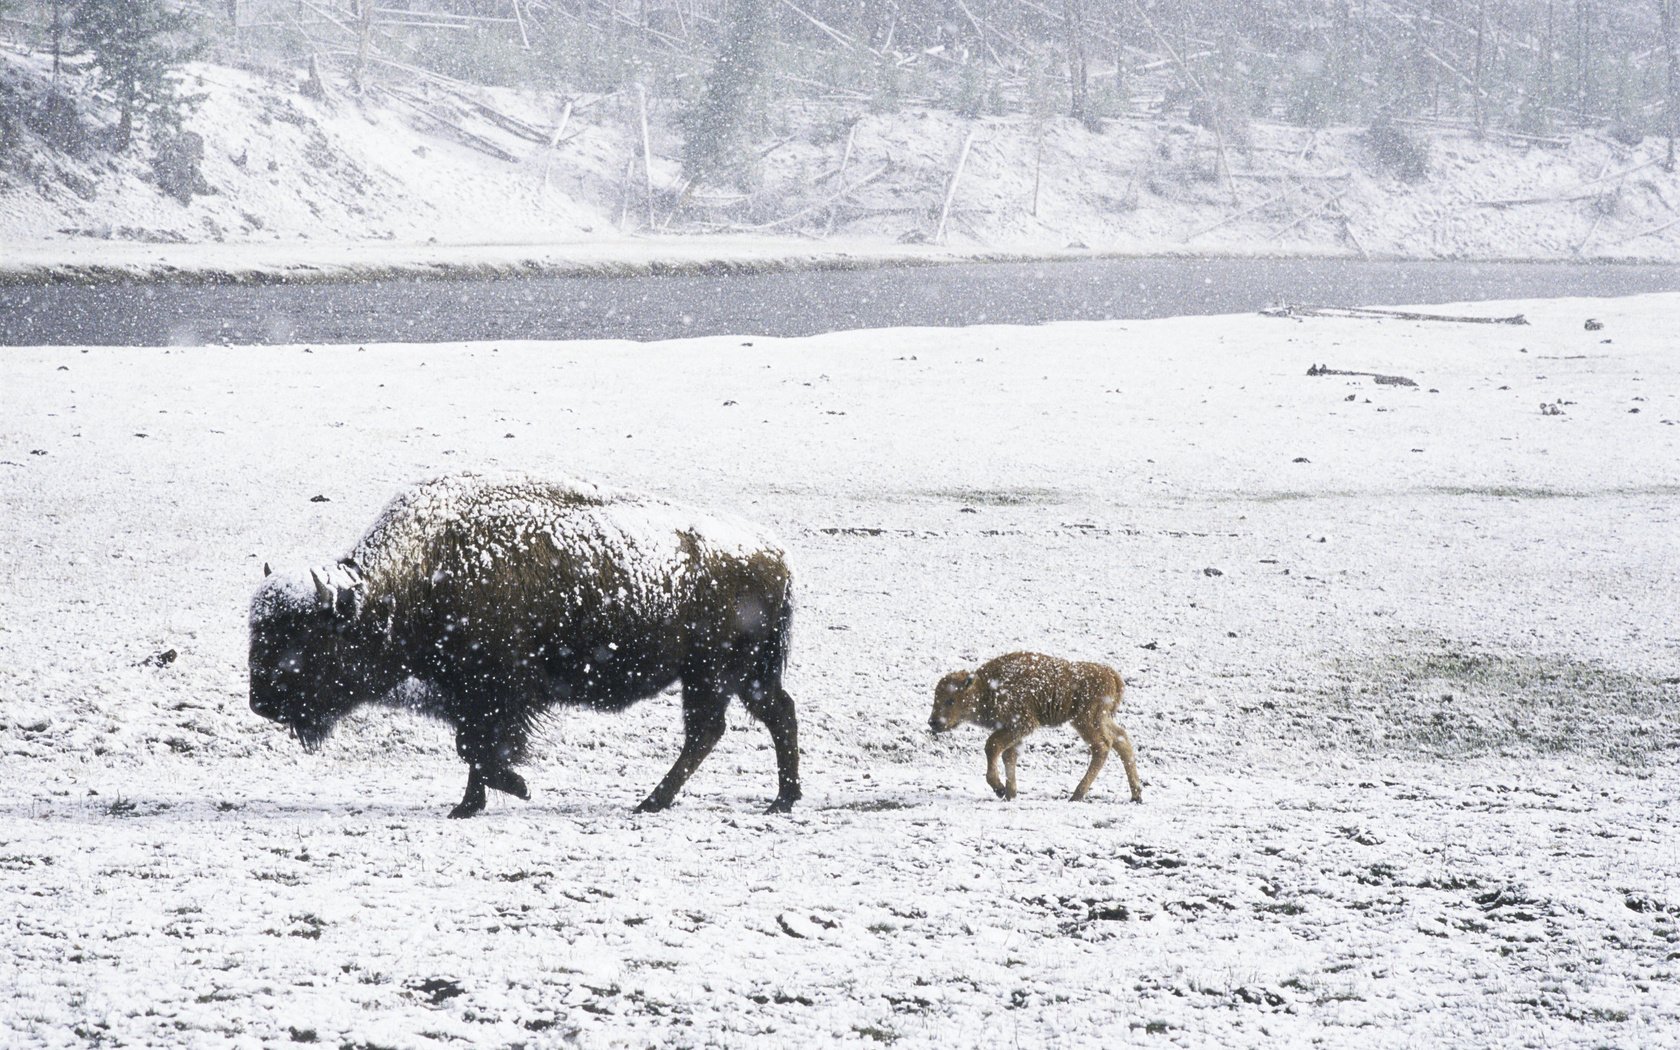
<point>1401,659</point>
<point>422,177</point>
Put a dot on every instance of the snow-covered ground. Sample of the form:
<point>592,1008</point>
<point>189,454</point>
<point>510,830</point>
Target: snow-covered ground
<point>1402,661</point>
<point>377,184</point>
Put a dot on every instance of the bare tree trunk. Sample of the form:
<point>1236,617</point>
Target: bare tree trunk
<point>1078,76</point>
<point>1547,73</point>
<point>1671,45</point>
<point>57,38</point>
<point>363,39</point>
<point>1434,74</point>
<point>125,103</point>
<point>1583,59</point>
<point>1479,87</point>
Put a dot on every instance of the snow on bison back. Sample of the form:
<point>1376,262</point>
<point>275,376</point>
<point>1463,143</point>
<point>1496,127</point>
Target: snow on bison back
<point>504,598</point>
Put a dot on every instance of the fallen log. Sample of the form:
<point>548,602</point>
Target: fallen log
<point>1382,380</point>
<point>1371,312</point>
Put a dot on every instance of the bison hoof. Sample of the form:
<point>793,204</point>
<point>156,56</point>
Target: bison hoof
<point>781,805</point>
<point>652,805</point>
<point>466,809</point>
<point>511,783</point>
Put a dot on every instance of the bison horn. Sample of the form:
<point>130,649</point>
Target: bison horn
<point>267,572</point>
<point>323,589</point>
<point>341,598</point>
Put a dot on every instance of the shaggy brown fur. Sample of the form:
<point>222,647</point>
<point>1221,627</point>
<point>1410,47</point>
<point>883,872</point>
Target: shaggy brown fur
<point>487,602</point>
<point>1019,692</point>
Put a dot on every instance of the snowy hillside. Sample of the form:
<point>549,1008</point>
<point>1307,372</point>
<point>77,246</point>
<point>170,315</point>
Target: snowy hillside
<point>434,174</point>
<point>1402,670</point>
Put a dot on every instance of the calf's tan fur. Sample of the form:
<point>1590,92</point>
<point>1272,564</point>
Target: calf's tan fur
<point>1018,692</point>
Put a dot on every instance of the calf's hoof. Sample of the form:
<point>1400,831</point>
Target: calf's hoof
<point>1000,791</point>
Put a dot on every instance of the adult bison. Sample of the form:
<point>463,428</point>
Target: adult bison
<point>487,602</point>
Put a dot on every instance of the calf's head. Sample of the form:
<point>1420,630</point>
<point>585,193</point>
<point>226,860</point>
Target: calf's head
<point>953,701</point>
<point>310,661</point>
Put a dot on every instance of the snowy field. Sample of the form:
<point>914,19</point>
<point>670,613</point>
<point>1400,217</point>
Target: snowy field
<point>1402,660</point>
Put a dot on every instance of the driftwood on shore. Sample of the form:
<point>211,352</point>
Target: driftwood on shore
<point>1371,312</point>
<point>1382,380</point>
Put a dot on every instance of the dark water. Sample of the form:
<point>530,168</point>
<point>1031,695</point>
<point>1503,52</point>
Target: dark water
<point>782,304</point>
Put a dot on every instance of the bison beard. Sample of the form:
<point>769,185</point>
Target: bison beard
<point>487,603</point>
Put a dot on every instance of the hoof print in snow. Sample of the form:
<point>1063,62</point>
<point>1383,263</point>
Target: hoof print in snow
<point>438,990</point>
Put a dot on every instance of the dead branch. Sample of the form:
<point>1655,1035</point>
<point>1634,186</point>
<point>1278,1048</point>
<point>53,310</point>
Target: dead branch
<point>461,134</point>
<point>1373,313</point>
<point>827,202</point>
<point>1234,216</point>
<point>951,190</point>
<point>1382,380</point>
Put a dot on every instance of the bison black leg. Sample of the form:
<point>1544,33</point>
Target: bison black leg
<point>473,801</point>
<point>703,724</point>
<point>488,754</point>
<point>774,707</point>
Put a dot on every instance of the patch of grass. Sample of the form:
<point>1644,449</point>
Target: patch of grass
<point>878,1034</point>
<point>1021,496</point>
<point>1454,700</point>
<point>873,805</point>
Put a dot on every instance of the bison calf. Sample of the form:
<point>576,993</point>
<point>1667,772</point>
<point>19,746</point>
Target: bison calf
<point>490,602</point>
<point>1019,692</point>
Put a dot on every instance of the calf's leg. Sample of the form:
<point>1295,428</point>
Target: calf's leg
<point>996,744</point>
<point>703,724</point>
<point>1128,758</point>
<point>1096,736</point>
<point>1009,768</point>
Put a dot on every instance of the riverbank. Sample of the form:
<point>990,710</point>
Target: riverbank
<point>298,188</point>
<point>1400,665</point>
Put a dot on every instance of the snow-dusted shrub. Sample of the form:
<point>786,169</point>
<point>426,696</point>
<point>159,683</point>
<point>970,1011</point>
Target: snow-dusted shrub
<point>1396,150</point>
<point>1017,693</point>
<point>177,162</point>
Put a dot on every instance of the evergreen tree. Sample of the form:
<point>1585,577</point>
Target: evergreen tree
<point>718,127</point>
<point>137,47</point>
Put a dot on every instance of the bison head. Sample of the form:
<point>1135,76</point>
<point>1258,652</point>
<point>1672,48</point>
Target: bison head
<point>953,701</point>
<point>313,659</point>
